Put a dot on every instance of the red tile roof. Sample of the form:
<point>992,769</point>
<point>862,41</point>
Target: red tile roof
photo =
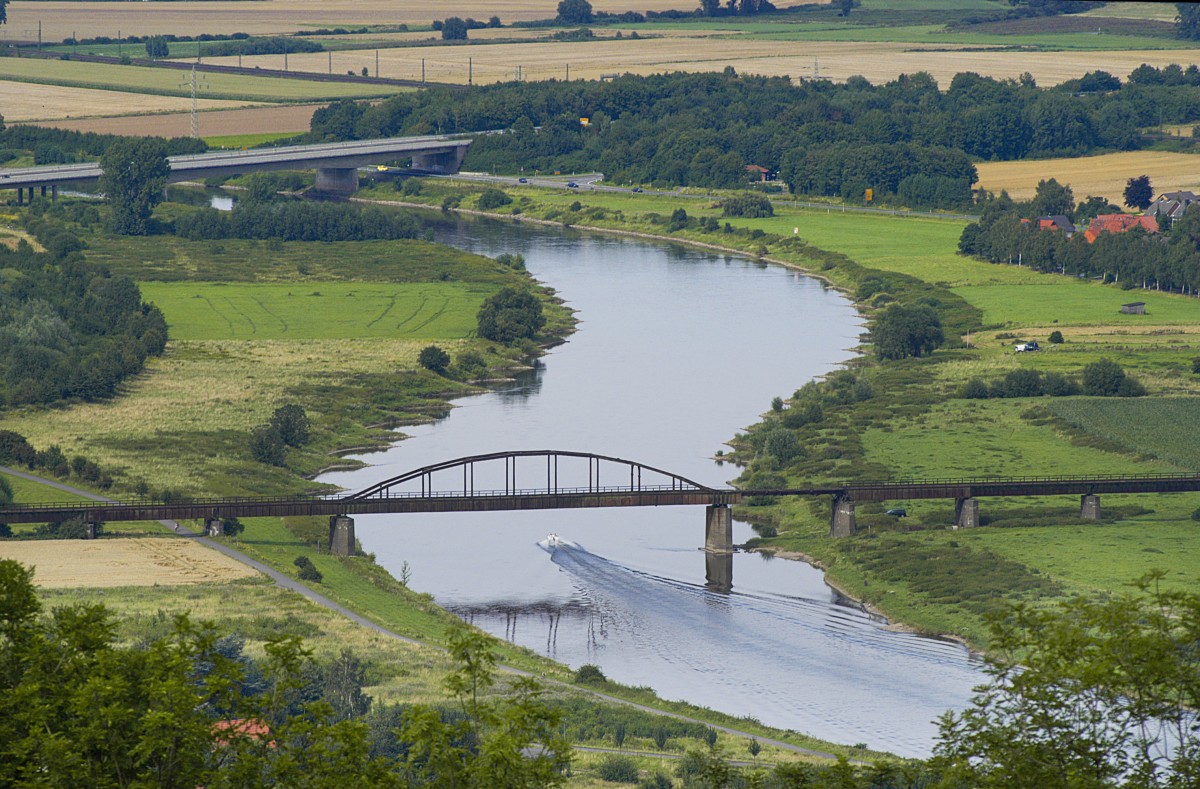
<point>1119,223</point>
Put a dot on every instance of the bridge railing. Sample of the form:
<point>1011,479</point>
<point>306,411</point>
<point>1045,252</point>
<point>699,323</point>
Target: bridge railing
<point>1019,479</point>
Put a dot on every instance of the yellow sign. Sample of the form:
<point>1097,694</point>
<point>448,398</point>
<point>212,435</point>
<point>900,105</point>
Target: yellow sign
<point>870,194</point>
<point>584,122</point>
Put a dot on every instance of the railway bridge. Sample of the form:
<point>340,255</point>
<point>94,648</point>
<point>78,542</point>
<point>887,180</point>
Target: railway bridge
<point>336,163</point>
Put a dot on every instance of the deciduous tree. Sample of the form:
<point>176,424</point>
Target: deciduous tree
<point>135,170</point>
<point>1138,192</point>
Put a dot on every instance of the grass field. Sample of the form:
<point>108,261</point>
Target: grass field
<point>329,310</point>
<point>1155,427</point>
<point>23,101</point>
<point>243,141</point>
<point>136,561</point>
<point>1103,176</point>
<point>170,82</point>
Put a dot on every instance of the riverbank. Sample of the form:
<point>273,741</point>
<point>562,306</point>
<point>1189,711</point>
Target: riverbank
<point>916,570</point>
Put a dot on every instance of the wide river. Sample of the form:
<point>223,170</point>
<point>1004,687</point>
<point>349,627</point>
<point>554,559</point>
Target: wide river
<point>677,350</point>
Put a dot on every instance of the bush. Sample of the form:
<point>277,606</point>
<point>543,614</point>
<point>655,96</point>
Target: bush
<point>1103,378</point>
<point>434,359</point>
<point>589,673</point>
<point>975,389</point>
<point>470,364</point>
<point>802,414</point>
<point>514,261</point>
<point>1056,337</point>
<point>492,198</point>
<point>783,445</point>
<point>308,571</point>
<point>510,315</point>
<point>618,769</point>
<point>751,206</point>
<point>267,446</point>
<point>902,331</point>
<point>291,423</point>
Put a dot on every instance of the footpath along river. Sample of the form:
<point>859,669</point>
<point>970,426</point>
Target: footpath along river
<point>677,350</point>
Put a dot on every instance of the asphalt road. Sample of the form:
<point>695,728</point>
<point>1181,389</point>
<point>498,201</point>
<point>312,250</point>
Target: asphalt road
<point>290,583</point>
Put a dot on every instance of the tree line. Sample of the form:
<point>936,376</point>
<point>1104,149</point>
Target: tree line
<point>68,328</point>
<point>58,146</point>
<point>703,129</point>
<point>297,220</point>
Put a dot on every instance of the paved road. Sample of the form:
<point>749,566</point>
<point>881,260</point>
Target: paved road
<point>290,583</point>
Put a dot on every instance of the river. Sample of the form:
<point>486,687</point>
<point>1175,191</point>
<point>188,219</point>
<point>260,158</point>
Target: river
<point>676,351</point>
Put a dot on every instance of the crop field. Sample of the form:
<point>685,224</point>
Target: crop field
<point>25,101</point>
<point>130,561</point>
<point>316,310</point>
<point>1103,176</point>
<point>1159,426</point>
<point>289,118</point>
<point>171,82</point>
<point>192,17</point>
<point>876,60</point>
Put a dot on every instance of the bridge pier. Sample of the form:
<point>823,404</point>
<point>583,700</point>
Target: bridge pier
<point>718,529</point>
<point>842,522</point>
<point>91,529</point>
<point>718,572</point>
<point>214,527</point>
<point>341,535</point>
<point>445,163</point>
<point>1089,507</point>
<point>337,180</point>
<point>966,513</point>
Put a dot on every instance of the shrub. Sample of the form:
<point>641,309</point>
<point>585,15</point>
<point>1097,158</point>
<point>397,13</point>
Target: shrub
<point>802,414</point>
<point>434,359</point>
<point>618,769</point>
<point>589,673</point>
<point>783,445</point>
<point>510,315</point>
<point>1056,337</point>
<point>514,261</point>
<point>492,198</point>
<point>291,423</point>
<point>902,331</point>
<point>470,364</point>
<point>1103,378</point>
<point>266,446</point>
<point>975,389</point>
<point>308,571</point>
<point>751,206</point>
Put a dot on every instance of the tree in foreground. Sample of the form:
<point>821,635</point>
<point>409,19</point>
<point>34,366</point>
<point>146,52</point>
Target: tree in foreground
<point>1139,193</point>
<point>509,315</point>
<point>1089,694</point>
<point>434,359</point>
<point>135,170</point>
<point>901,331</point>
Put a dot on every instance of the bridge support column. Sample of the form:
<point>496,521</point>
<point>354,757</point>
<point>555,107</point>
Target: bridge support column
<point>54,191</point>
<point>444,163</point>
<point>718,529</point>
<point>1089,507</point>
<point>90,530</point>
<point>341,535</point>
<point>337,180</point>
<point>718,572</point>
<point>214,527</point>
<point>43,191</point>
<point>842,522</point>
<point>20,195</point>
<point>966,513</point>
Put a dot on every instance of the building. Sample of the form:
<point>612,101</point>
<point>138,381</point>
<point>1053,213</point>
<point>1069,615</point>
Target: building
<point>1134,308</point>
<point>1171,204</point>
<point>1118,223</point>
<point>1056,222</point>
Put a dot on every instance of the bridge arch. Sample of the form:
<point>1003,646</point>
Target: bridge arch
<point>628,475</point>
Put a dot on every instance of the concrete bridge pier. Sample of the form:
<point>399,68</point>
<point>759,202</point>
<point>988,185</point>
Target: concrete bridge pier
<point>444,163</point>
<point>214,527</point>
<point>966,513</point>
<point>341,535</point>
<point>337,180</point>
<point>91,529</point>
<point>718,529</point>
<point>1089,507</point>
<point>842,522</point>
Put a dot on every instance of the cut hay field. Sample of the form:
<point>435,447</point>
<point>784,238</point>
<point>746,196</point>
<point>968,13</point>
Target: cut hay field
<point>61,19</point>
<point>171,82</point>
<point>877,61</point>
<point>1103,176</point>
<point>25,101</point>
<point>290,118</point>
<point>131,561</point>
<point>316,310</point>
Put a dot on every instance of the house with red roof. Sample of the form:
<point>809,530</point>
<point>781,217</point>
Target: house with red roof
<point>1118,223</point>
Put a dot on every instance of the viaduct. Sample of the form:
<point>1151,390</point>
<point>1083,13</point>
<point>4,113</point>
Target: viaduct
<point>336,164</point>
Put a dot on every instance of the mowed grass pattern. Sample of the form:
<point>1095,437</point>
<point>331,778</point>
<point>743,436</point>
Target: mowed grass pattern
<point>315,310</point>
<point>1160,426</point>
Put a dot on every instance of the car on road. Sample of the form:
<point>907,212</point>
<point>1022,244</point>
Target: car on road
<point>897,512</point>
<point>637,189</point>
<point>572,185</point>
<point>522,180</point>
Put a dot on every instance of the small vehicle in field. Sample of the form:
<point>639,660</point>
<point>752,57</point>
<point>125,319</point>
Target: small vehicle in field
<point>897,512</point>
<point>572,185</point>
<point>522,180</point>
<point>637,189</point>
<point>1027,346</point>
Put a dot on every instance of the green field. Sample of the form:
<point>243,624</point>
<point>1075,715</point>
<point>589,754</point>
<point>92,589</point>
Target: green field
<point>240,141</point>
<point>170,82</point>
<point>1159,426</point>
<point>316,310</point>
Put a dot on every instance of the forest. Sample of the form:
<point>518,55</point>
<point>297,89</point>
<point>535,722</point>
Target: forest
<point>704,129</point>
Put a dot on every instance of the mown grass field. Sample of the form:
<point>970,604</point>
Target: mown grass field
<point>171,82</point>
<point>329,310</point>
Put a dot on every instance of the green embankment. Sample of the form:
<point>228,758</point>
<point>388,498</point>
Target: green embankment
<point>916,569</point>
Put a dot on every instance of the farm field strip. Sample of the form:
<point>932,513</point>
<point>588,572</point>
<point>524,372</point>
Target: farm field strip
<point>255,120</point>
<point>171,82</point>
<point>1103,176</point>
<point>25,101</point>
<point>315,310</point>
<point>133,561</point>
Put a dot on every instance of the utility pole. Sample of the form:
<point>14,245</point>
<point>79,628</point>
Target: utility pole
<point>195,85</point>
<point>470,71</point>
<point>118,43</point>
<point>568,72</point>
<point>331,62</point>
<point>39,34</point>
<point>377,64</point>
<point>422,71</point>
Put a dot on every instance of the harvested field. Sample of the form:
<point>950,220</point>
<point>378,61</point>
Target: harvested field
<point>877,61</point>
<point>60,19</point>
<point>23,101</point>
<point>256,120</point>
<point>1094,175</point>
<point>141,561</point>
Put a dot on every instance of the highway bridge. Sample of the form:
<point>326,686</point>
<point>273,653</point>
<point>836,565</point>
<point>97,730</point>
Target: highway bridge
<point>336,163</point>
<point>556,479</point>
